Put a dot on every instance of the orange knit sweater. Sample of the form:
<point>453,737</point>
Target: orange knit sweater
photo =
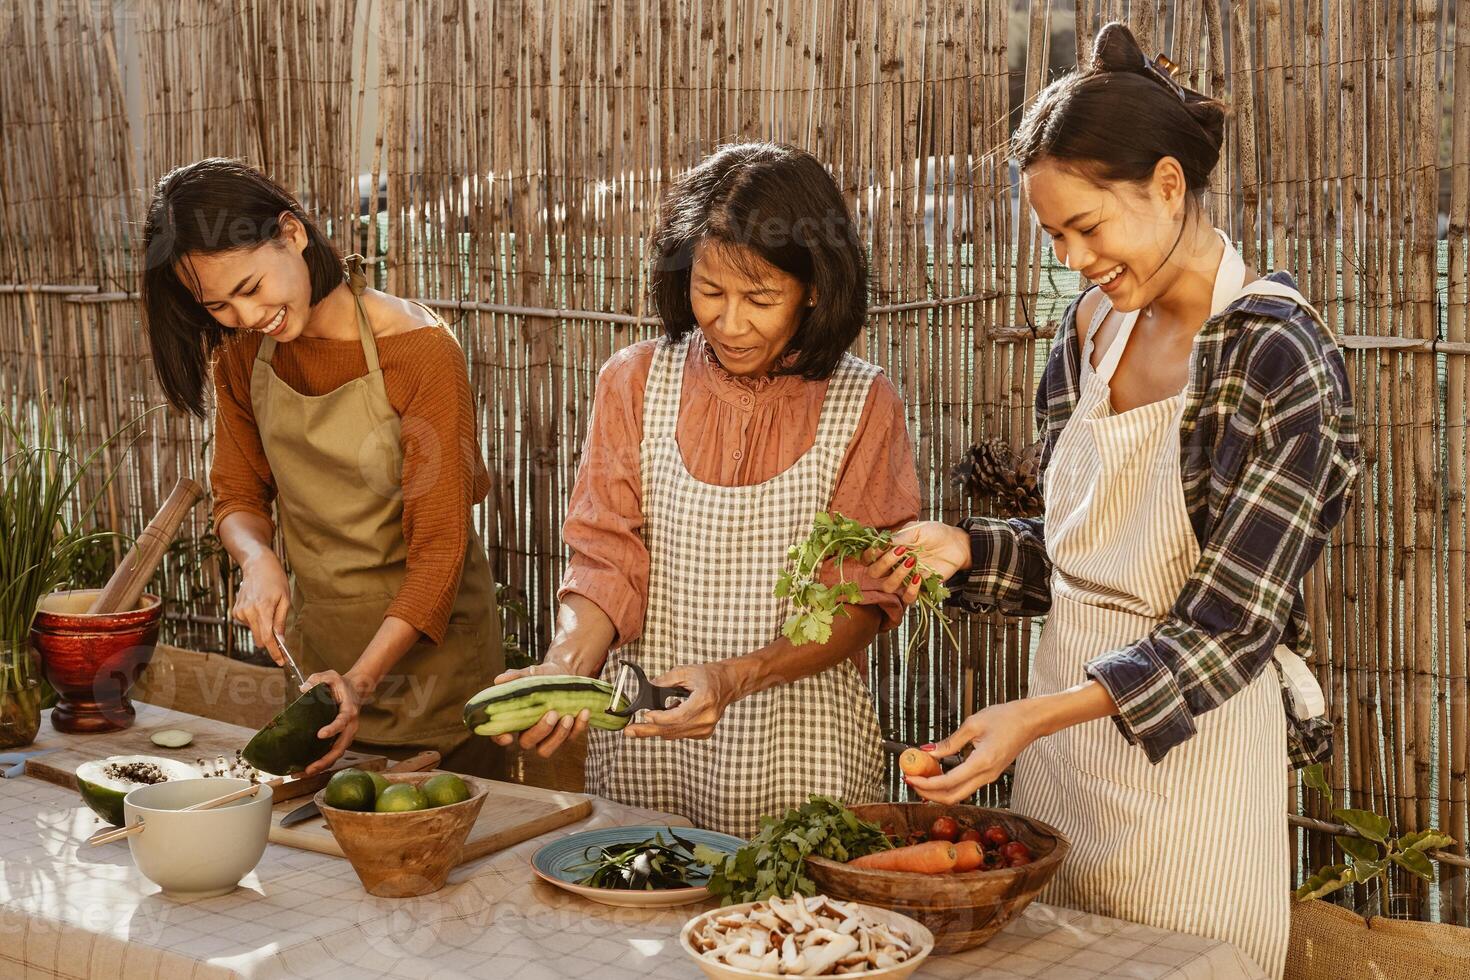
<point>424,373</point>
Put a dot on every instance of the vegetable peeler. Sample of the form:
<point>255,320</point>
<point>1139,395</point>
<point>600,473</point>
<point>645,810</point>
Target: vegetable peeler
<point>646,697</point>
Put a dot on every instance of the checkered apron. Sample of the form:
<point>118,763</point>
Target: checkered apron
<point>715,554</point>
<point>1197,843</point>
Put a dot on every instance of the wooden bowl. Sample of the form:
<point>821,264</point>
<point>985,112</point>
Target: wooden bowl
<point>93,659</point>
<point>397,855</point>
<point>962,910</point>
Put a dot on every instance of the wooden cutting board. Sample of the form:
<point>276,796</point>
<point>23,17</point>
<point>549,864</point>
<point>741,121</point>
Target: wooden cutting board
<point>512,813</point>
<point>211,740</point>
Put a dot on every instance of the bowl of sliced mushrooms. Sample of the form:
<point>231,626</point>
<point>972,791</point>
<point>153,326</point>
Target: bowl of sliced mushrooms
<point>805,937</point>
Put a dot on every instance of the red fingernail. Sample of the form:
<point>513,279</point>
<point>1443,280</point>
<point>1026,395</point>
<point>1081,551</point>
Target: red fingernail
<point>930,747</point>
<point>900,551</point>
<point>910,563</point>
<point>915,579</point>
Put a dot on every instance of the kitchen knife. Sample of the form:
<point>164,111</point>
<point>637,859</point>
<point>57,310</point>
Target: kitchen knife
<point>290,662</point>
<point>898,748</point>
<point>414,763</point>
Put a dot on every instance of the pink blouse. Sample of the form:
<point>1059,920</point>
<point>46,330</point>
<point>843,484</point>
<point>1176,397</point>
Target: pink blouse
<point>732,432</point>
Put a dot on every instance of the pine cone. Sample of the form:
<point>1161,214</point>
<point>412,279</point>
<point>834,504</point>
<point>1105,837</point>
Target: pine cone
<point>1000,480</point>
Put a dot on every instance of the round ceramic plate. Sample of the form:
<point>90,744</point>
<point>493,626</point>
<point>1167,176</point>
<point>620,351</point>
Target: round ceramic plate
<point>553,864</point>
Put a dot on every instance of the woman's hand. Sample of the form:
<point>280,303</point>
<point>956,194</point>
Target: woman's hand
<point>584,634</point>
<point>349,692</point>
<point>263,601</point>
<point>713,687</point>
<point>553,730</point>
<point>943,548</point>
<point>997,733</point>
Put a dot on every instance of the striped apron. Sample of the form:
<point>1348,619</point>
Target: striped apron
<point>1198,843</point>
<point>714,556</point>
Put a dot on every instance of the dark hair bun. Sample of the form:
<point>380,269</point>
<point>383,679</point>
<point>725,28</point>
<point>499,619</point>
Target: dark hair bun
<point>1116,49</point>
<point>1209,113</point>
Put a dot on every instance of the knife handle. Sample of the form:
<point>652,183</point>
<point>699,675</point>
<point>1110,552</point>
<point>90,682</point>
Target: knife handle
<point>416,763</point>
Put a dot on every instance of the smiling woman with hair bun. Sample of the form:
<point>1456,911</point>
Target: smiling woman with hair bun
<point>1198,448</point>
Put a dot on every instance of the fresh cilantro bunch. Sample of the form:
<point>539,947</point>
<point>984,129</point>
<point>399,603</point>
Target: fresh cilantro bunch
<point>814,605</point>
<point>774,862</point>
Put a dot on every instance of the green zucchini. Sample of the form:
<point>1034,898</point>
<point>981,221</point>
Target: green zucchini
<point>517,705</point>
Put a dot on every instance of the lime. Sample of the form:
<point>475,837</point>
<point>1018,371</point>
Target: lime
<point>350,789</point>
<point>380,781</point>
<point>400,798</point>
<point>444,789</point>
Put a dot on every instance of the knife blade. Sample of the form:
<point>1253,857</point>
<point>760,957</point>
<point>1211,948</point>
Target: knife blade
<point>290,661</point>
<point>414,763</point>
<point>898,748</point>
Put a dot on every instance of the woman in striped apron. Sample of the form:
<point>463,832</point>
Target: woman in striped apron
<point>707,456</point>
<point>1198,448</point>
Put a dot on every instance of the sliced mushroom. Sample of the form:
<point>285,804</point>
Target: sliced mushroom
<point>822,958</point>
<point>744,961</point>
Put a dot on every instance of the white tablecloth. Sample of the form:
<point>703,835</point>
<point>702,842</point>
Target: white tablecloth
<point>87,913</point>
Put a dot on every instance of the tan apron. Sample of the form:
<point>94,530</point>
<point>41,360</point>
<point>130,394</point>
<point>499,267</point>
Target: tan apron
<point>337,460</point>
<point>1197,843</point>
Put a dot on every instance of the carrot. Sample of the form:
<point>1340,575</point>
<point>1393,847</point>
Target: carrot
<point>916,762</point>
<point>931,858</point>
<point>969,855</point>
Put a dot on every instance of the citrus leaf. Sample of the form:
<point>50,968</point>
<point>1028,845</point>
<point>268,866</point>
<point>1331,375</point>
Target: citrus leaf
<point>1425,840</point>
<point>1365,871</point>
<point>1357,847</point>
<point>1365,822</point>
<point>1315,776</point>
<point>1326,881</point>
<point>1416,862</point>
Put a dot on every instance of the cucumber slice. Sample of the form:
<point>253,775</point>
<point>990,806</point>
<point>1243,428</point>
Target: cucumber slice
<point>171,738</point>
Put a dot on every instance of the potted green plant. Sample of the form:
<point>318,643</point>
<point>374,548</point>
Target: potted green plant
<point>1328,940</point>
<point>43,523</point>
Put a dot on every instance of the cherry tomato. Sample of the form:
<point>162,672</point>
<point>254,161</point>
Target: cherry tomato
<point>944,828</point>
<point>995,836</point>
<point>971,834</point>
<point>1016,852</point>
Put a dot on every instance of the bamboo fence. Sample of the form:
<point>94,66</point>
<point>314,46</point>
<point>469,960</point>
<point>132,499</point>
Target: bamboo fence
<point>522,146</point>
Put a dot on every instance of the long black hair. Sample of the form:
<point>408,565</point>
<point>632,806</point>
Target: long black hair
<point>212,205</point>
<point>781,204</point>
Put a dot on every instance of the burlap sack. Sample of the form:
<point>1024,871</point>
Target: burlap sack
<point>1329,942</point>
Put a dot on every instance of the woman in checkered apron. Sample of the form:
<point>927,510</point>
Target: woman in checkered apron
<point>708,453</point>
<point>1198,448</point>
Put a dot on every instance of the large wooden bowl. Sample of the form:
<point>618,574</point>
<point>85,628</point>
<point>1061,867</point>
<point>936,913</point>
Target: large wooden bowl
<point>962,910</point>
<point>397,855</point>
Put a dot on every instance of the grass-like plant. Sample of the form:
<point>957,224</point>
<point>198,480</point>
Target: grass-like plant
<point>44,532</point>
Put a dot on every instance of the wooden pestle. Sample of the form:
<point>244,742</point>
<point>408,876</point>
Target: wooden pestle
<point>126,585</point>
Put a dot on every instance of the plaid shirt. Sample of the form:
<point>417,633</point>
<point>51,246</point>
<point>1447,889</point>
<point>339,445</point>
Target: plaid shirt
<point>1268,452</point>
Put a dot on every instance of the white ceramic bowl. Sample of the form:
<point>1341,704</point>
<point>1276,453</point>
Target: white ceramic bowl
<point>198,854</point>
<point>718,971</point>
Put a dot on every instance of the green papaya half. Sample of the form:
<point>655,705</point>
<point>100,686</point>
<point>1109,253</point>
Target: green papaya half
<point>104,782</point>
<point>289,743</point>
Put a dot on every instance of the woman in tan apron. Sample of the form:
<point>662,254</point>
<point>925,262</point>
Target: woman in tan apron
<point>1198,449</point>
<point>390,599</point>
